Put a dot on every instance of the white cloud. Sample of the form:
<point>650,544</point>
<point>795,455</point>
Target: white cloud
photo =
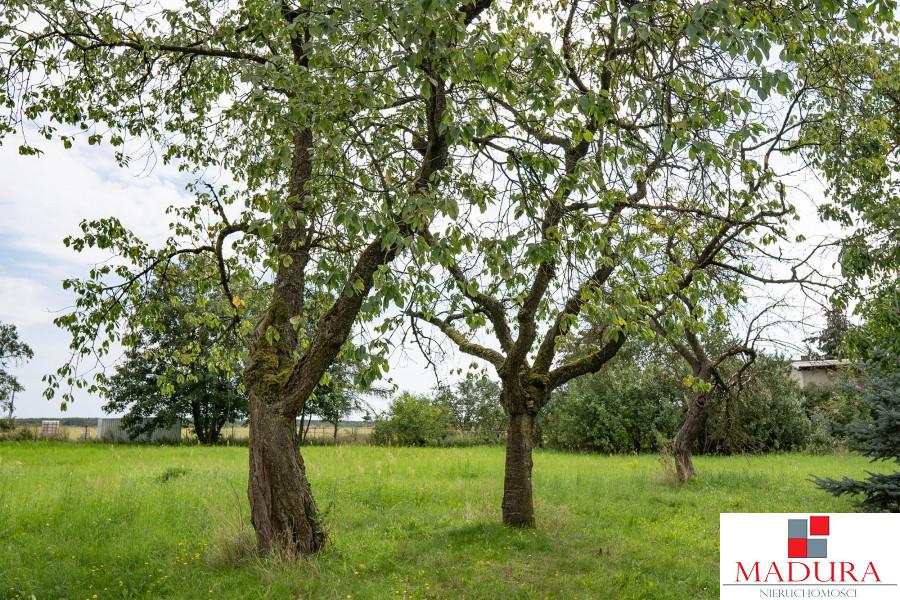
<point>24,302</point>
<point>44,199</point>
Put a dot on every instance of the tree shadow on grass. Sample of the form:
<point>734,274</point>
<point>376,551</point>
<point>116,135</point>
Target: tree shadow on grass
<point>481,534</point>
<point>498,537</point>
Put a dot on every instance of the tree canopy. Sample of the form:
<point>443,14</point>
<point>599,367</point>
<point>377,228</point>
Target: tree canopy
<point>13,352</point>
<point>632,162</point>
<point>185,364</point>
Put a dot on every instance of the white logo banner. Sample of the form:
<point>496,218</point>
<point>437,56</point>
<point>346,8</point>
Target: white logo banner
<point>809,555</point>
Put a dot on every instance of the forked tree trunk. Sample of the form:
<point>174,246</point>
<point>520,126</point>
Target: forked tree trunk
<point>518,505</point>
<point>282,507</point>
<point>687,436</point>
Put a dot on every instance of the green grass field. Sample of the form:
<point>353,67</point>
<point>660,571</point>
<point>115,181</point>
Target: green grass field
<point>100,521</point>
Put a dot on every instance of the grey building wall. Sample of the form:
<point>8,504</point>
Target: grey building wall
<point>817,372</point>
<point>113,430</point>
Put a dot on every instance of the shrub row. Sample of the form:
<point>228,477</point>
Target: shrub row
<point>632,407</point>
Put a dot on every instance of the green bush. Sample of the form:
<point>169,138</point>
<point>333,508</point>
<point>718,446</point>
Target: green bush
<point>22,434</point>
<point>831,409</point>
<point>766,415</point>
<point>626,408</point>
<point>773,413</point>
<point>475,410</point>
<point>412,421</point>
<point>636,404</point>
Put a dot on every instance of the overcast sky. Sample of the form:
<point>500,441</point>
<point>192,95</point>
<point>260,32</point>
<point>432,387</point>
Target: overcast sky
<point>42,200</point>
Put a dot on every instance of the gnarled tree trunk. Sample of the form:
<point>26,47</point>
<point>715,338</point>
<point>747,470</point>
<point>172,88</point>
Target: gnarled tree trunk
<point>281,503</point>
<point>518,505</point>
<point>283,510</point>
<point>687,436</point>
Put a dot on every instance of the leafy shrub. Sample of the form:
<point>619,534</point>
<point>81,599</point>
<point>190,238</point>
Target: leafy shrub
<point>626,408</point>
<point>475,410</point>
<point>636,405</point>
<point>830,409</point>
<point>768,415</point>
<point>412,421</point>
<point>765,414</point>
<point>21,434</point>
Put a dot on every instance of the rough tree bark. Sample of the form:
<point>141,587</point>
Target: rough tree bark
<point>282,508</point>
<point>687,435</point>
<point>281,503</point>
<point>518,504</point>
<point>522,401</point>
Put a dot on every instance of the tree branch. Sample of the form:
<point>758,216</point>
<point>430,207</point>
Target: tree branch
<point>491,306</point>
<point>458,338</point>
<point>589,364</point>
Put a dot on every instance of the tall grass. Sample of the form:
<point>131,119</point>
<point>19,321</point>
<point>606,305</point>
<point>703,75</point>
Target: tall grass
<point>120,521</point>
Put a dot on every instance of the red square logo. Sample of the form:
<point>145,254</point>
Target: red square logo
<point>819,525</point>
<point>796,547</point>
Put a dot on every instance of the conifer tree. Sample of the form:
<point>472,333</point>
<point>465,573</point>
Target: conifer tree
<point>878,438</point>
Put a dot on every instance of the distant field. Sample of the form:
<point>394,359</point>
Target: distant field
<point>131,521</point>
<point>316,433</point>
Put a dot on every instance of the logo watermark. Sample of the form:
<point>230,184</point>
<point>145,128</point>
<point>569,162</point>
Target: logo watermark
<point>843,555</point>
